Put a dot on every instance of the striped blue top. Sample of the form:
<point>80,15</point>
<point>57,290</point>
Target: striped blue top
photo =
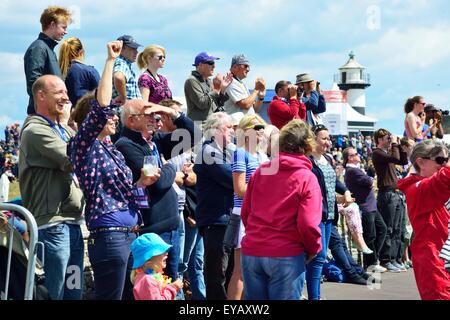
<point>245,162</point>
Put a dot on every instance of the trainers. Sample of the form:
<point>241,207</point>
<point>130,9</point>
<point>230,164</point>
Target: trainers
<point>356,279</point>
<point>376,268</point>
<point>399,266</point>
<point>391,268</point>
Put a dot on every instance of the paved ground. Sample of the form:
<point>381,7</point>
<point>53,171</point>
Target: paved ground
<point>394,286</point>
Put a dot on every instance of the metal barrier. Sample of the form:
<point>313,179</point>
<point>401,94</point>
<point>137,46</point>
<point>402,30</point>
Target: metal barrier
<point>33,233</point>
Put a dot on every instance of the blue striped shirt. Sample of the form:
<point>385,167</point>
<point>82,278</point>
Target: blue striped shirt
<point>126,68</point>
<point>245,162</point>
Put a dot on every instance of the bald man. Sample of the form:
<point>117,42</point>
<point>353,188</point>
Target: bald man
<point>49,190</point>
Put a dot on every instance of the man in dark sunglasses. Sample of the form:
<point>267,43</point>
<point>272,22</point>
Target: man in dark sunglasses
<point>204,96</point>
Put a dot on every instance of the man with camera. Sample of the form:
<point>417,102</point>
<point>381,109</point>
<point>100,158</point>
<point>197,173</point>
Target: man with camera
<point>285,105</point>
<point>386,155</point>
<point>434,117</point>
<point>309,93</point>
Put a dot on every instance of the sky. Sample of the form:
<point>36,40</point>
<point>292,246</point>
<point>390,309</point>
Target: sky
<point>403,44</point>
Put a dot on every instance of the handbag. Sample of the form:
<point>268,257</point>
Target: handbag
<point>231,237</point>
<point>191,202</point>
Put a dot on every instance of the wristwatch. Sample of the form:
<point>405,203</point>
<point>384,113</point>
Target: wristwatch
<point>177,116</point>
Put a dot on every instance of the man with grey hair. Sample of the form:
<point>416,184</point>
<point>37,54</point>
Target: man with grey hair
<point>139,139</point>
<point>240,98</point>
<point>215,201</point>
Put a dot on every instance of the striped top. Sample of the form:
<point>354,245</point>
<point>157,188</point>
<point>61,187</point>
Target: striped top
<point>248,163</point>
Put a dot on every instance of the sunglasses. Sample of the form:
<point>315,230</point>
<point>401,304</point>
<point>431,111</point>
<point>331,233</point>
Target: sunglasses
<point>114,112</point>
<point>160,57</point>
<point>258,127</point>
<point>157,118</point>
<point>318,127</point>
<point>438,160</point>
<point>211,63</point>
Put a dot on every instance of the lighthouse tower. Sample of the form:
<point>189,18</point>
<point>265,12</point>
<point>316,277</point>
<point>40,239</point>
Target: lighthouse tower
<point>354,81</point>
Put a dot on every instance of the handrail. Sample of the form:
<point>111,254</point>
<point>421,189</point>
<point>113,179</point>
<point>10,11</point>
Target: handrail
<point>33,232</point>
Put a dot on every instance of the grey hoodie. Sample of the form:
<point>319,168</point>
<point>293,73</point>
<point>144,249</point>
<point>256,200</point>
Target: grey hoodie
<point>45,174</point>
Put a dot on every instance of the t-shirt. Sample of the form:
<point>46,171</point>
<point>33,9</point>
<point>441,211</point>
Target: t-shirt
<point>248,163</point>
<point>237,91</point>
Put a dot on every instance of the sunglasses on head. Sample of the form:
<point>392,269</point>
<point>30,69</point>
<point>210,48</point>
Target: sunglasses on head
<point>114,112</point>
<point>318,127</point>
<point>438,160</point>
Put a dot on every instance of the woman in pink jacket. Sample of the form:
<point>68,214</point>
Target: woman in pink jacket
<point>426,194</point>
<point>281,213</point>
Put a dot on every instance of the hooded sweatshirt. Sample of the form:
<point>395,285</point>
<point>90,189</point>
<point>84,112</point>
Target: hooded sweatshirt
<point>46,183</point>
<point>282,209</point>
<point>425,199</point>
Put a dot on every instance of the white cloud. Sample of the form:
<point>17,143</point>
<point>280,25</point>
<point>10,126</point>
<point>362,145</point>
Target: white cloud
<point>414,47</point>
<point>12,69</point>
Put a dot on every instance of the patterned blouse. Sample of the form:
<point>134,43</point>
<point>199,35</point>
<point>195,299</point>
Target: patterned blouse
<point>330,183</point>
<point>105,179</point>
<point>158,90</point>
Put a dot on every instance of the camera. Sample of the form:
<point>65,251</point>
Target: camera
<point>300,91</point>
<point>444,112</point>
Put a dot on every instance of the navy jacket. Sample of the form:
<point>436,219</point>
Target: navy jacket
<point>214,185</point>
<point>360,184</point>
<point>80,79</point>
<point>340,188</point>
<point>316,104</point>
<point>39,59</point>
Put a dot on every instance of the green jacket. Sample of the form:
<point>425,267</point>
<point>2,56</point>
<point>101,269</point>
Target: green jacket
<point>46,183</point>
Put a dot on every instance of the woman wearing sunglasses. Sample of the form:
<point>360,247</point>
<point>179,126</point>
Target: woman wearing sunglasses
<point>153,86</point>
<point>247,157</point>
<point>426,192</point>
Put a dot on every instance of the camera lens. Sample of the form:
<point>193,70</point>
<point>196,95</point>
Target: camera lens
<point>445,112</point>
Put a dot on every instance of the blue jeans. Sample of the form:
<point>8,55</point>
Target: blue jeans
<point>63,265</point>
<point>171,237</point>
<point>314,268</point>
<point>193,262</point>
<point>111,260</point>
<point>273,278</point>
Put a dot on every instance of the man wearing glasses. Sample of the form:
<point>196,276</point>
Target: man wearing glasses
<point>386,155</point>
<point>204,96</point>
<point>240,99</point>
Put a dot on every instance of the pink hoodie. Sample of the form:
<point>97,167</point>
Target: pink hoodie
<point>282,212</point>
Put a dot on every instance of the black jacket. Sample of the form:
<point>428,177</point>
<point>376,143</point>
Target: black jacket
<point>163,215</point>
<point>340,188</point>
<point>39,60</point>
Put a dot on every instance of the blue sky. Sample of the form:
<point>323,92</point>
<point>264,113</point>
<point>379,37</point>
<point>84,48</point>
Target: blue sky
<point>403,44</point>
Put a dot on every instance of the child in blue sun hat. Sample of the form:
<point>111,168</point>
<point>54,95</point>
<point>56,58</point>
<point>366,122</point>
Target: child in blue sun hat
<point>150,255</point>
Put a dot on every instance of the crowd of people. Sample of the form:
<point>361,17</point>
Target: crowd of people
<point>234,206</point>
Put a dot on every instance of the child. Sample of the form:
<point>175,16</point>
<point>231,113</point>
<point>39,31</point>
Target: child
<point>150,255</point>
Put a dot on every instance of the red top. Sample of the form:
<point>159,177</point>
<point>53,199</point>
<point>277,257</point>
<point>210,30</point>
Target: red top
<point>282,209</point>
<point>425,199</point>
<point>281,113</point>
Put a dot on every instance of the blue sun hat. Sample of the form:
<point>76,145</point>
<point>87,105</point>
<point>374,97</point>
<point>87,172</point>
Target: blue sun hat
<point>147,246</point>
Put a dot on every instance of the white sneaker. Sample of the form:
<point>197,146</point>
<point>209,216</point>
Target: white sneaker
<point>376,268</point>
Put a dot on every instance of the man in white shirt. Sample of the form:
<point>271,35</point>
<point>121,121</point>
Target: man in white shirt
<point>240,99</point>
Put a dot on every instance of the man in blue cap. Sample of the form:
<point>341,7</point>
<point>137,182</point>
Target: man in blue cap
<point>125,82</point>
<point>204,96</point>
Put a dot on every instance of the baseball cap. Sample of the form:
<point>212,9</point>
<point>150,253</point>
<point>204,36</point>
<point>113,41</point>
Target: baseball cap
<point>239,59</point>
<point>147,246</point>
<point>129,41</point>
<point>430,107</point>
<point>203,57</point>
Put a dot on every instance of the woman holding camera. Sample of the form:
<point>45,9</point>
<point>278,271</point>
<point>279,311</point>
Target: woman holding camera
<point>426,192</point>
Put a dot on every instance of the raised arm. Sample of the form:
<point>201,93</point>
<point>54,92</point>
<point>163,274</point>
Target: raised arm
<point>104,92</point>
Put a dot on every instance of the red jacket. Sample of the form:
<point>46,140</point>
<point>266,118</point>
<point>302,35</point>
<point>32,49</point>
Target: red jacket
<point>281,113</point>
<point>282,209</point>
<point>425,199</point>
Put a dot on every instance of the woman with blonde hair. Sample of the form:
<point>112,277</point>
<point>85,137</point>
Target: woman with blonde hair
<point>247,157</point>
<point>153,86</point>
<point>79,77</point>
